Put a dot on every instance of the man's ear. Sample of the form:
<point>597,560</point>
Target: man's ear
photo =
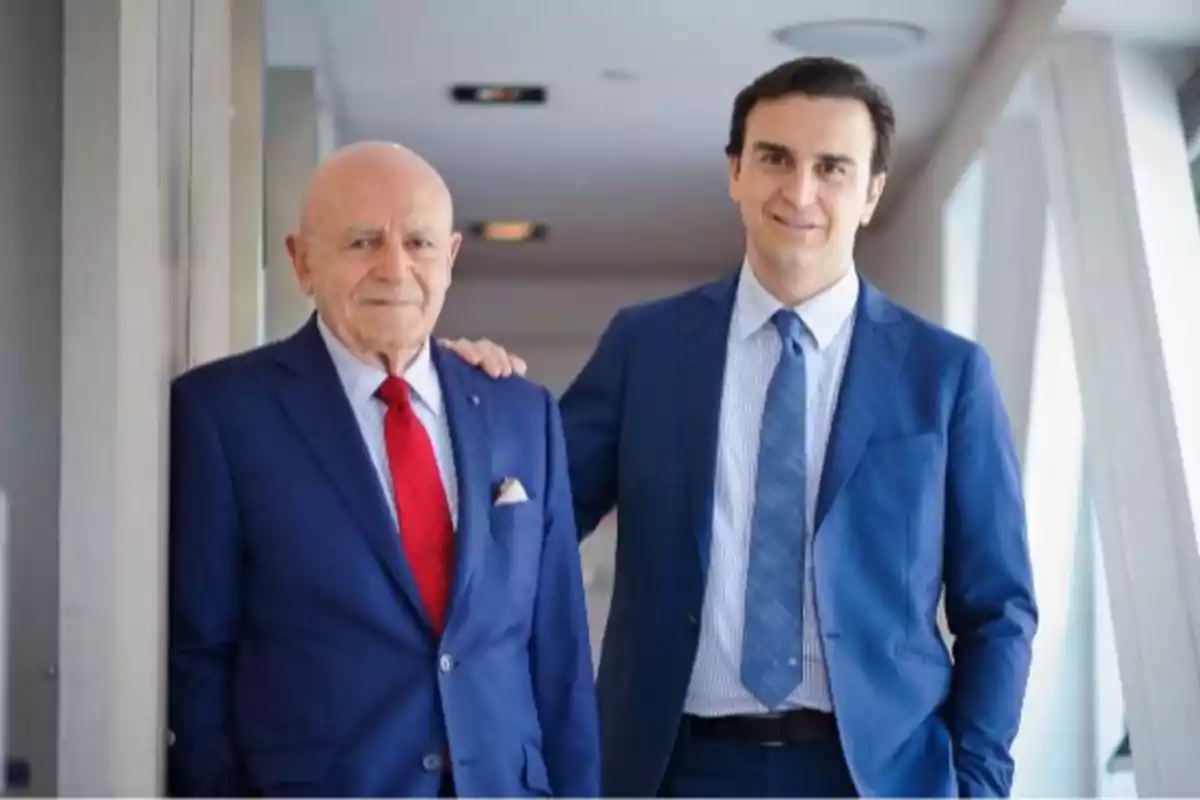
<point>452,256</point>
<point>298,252</point>
<point>874,192</point>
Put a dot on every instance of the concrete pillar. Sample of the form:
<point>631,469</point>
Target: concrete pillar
<point>119,295</point>
<point>145,294</point>
<point>1129,242</point>
<point>290,153</point>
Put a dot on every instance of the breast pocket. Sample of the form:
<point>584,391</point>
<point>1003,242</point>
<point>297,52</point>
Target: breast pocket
<point>517,531</point>
<point>898,475</point>
<point>512,518</point>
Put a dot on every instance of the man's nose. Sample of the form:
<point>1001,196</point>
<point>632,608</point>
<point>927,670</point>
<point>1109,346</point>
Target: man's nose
<point>394,261</point>
<point>803,188</point>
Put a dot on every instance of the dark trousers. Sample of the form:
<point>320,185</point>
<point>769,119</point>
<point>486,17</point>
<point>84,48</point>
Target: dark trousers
<point>707,766</point>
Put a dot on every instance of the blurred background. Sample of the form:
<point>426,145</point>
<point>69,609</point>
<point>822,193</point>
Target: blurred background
<point>1043,202</point>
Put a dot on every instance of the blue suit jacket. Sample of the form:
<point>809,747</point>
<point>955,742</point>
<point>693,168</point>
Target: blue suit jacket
<point>302,661</point>
<point>920,489</point>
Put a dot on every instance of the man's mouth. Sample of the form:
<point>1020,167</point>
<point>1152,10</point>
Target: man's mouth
<point>795,224</point>
<point>392,302</point>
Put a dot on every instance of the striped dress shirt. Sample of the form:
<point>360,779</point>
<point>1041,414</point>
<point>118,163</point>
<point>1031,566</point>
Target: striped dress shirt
<point>360,380</point>
<point>752,352</point>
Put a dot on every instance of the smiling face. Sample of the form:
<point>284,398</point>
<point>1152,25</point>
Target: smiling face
<point>804,186</point>
<point>376,250</point>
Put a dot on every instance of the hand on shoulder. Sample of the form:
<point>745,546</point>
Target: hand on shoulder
<point>487,356</point>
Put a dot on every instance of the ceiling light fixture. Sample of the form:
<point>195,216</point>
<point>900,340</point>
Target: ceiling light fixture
<point>509,231</point>
<point>498,95</point>
<point>856,38</point>
<point>617,75</point>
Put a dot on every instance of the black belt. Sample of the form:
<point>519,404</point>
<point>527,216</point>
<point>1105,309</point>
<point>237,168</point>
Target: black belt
<point>800,725</point>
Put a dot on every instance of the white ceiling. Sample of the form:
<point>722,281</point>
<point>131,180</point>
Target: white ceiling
<point>629,176</point>
<point>1166,22</point>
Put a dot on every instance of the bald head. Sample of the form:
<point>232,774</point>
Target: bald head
<point>375,248</point>
<point>370,167</point>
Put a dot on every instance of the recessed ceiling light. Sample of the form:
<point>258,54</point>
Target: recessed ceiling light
<point>498,95</point>
<point>509,231</point>
<point>858,38</point>
<point>617,75</point>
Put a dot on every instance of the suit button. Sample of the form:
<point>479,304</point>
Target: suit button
<point>432,762</point>
<point>445,663</point>
<point>693,621</point>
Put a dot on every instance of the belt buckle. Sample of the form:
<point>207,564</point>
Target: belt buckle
<point>774,743</point>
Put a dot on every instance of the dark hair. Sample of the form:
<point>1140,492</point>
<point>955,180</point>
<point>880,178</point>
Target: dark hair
<point>818,77</point>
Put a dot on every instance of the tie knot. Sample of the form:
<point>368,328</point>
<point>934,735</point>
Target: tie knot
<point>394,392</point>
<point>790,327</point>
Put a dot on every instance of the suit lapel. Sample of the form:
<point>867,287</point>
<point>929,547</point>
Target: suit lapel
<point>471,440</point>
<point>701,358</point>
<point>313,398</point>
<point>877,349</point>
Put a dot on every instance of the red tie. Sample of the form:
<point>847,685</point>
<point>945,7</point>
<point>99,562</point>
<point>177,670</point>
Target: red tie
<point>426,532</point>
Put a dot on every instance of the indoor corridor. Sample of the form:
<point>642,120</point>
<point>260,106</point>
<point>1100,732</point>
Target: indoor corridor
<point>1043,203</point>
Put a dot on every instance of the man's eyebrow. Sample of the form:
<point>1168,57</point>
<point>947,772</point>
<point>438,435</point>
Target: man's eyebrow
<point>836,158</point>
<point>772,148</point>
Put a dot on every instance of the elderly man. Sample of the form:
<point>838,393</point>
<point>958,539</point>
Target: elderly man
<point>375,587</point>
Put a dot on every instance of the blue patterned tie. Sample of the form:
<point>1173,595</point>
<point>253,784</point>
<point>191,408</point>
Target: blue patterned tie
<point>772,662</point>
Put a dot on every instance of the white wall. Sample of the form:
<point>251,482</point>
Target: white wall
<point>31,149</point>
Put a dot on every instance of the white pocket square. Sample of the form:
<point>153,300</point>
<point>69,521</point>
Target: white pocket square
<point>509,492</point>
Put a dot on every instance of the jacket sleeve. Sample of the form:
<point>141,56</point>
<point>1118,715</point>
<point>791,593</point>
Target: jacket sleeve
<point>990,604</point>
<point>591,414</point>
<point>204,591</point>
<point>563,674</point>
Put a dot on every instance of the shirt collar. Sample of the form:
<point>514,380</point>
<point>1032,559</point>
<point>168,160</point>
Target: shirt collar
<point>823,315</point>
<point>361,380</point>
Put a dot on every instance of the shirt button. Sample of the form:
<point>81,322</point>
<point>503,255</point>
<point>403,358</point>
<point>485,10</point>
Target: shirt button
<point>445,663</point>
<point>432,762</point>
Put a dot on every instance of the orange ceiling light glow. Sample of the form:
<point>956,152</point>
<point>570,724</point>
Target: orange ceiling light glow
<point>509,231</point>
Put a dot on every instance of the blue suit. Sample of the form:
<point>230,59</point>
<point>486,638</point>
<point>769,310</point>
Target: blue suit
<point>302,661</point>
<point>920,488</point>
